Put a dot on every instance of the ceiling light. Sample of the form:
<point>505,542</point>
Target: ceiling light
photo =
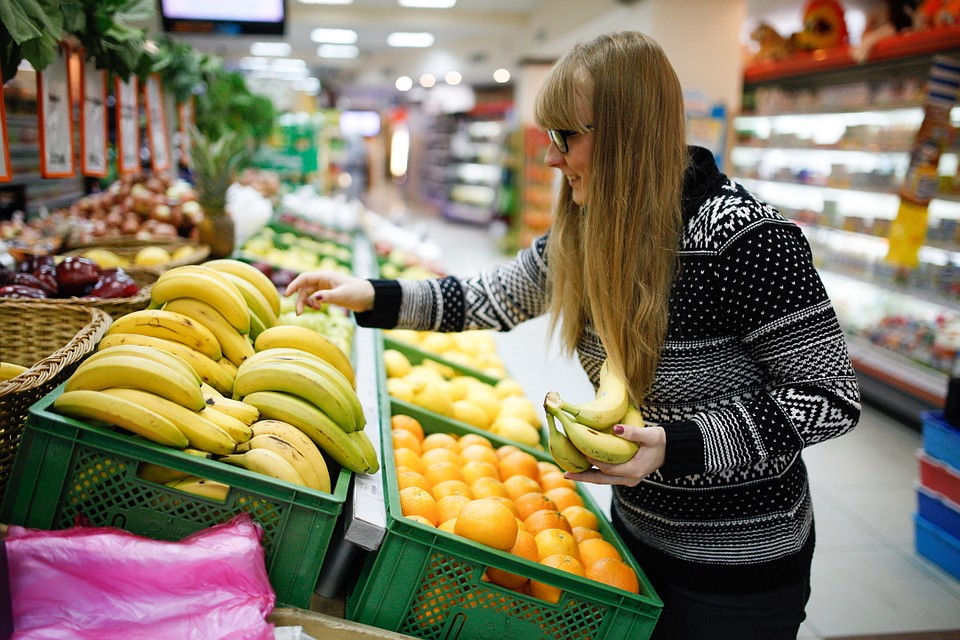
<point>338,51</point>
<point>453,78</point>
<point>428,4</point>
<point>410,39</point>
<point>501,76</point>
<point>334,36</point>
<point>269,49</point>
<point>404,83</point>
<point>326,1</point>
<point>427,80</point>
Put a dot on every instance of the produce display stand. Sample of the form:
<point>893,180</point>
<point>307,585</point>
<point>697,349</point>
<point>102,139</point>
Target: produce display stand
<point>416,355</point>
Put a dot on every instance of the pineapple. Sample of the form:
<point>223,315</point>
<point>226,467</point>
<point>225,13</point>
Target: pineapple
<point>215,163</point>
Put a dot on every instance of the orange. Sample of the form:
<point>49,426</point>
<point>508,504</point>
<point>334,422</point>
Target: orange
<point>407,423</point>
<point>478,451</point>
<point>468,439</point>
<point>437,472</point>
<point>580,516</point>
<point>553,541</point>
<point>524,547</point>
<point>519,463</point>
<point>594,549</point>
<point>615,573</point>
<point>533,501</point>
<point>420,519</point>
<point>582,533</point>
<point>488,522</point>
<point>439,454</point>
<point>560,561</point>
<point>409,459</point>
<point>564,497</point>
<point>415,501</point>
<point>545,466</point>
<point>441,440</point>
<point>473,470</point>
<point>488,487</point>
<point>518,485</point>
<point>546,519</point>
<point>448,507</point>
<point>508,502</point>
<point>554,479</point>
<point>451,488</point>
<point>505,450</point>
<point>448,525</point>
<point>405,440</point>
<point>407,477</point>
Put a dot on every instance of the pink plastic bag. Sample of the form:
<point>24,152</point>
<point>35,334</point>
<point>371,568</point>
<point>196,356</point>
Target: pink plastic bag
<point>103,583</point>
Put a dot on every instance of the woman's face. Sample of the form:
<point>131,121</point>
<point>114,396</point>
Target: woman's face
<point>575,163</point>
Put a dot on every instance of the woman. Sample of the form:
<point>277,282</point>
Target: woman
<point>706,300</point>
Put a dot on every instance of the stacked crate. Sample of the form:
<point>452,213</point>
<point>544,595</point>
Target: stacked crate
<point>938,495</point>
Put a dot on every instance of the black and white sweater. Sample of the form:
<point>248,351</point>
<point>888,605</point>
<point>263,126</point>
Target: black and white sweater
<point>754,369</point>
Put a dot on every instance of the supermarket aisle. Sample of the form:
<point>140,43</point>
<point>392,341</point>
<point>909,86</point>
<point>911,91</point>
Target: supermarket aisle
<point>868,581</point>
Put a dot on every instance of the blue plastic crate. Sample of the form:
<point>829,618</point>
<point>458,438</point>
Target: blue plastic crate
<point>938,510</point>
<point>940,439</point>
<point>938,546</point>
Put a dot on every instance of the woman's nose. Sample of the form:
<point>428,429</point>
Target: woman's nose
<point>553,157</point>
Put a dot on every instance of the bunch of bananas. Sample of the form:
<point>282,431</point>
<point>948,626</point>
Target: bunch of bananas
<point>9,370</point>
<point>585,431</point>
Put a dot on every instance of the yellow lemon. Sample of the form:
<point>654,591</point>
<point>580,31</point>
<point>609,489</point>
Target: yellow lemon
<point>520,407</point>
<point>467,411</point>
<point>509,387</point>
<point>432,397</point>
<point>105,258</point>
<point>516,429</point>
<point>400,389</point>
<point>151,255</point>
<point>397,364</point>
<point>484,396</point>
<point>437,342</point>
<point>444,370</point>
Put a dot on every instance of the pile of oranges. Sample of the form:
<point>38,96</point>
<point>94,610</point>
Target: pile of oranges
<point>507,499</point>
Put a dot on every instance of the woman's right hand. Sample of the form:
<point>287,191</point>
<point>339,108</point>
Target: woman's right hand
<point>314,288</point>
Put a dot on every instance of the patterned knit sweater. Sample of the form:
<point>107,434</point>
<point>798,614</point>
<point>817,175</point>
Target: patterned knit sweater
<point>754,369</point>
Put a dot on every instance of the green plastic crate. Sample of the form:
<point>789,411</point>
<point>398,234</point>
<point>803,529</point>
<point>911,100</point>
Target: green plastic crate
<point>428,583</point>
<point>416,355</point>
<point>67,470</point>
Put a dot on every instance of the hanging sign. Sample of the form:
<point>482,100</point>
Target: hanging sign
<point>156,124</point>
<point>185,111</point>
<point>5,172</point>
<point>56,125</point>
<point>128,129</point>
<point>93,121</point>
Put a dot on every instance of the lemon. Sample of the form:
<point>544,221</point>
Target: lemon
<point>396,363</point>
<point>432,397</point>
<point>516,429</point>
<point>400,389</point>
<point>467,411</point>
<point>183,252</point>
<point>484,396</point>
<point>521,408</point>
<point>151,256</point>
<point>105,258</point>
<point>508,387</point>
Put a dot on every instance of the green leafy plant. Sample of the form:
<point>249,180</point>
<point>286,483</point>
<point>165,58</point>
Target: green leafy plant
<point>31,30</point>
<point>104,28</point>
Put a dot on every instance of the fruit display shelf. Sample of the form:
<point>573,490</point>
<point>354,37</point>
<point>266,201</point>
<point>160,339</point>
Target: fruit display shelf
<point>416,355</point>
<point>66,470</point>
<point>429,583</point>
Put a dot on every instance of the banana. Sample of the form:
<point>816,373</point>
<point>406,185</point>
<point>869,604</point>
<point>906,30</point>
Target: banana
<point>96,405</point>
<point>235,346</point>
<point>289,335</point>
<point>324,432</point>
<point>370,456</point>
<point>10,370</point>
<point>295,379</point>
<point>609,404</point>
<point>292,455</point>
<point>203,283</point>
<point>236,409</point>
<point>267,462</point>
<point>201,487</point>
<point>307,447</point>
<point>136,372</point>
<point>228,367</point>
<point>252,275</point>
<point>169,326</point>
<point>259,306</point>
<point>150,353</point>
<point>235,428</point>
<point>161,474</point>
<point>633,417</point>
<point>320,367</point>
<point>201,433</point>
<point>599,445</point>
<point>256,327</point>
<point>564,453</point>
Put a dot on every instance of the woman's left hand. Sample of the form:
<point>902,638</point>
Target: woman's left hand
<point>649,458</point>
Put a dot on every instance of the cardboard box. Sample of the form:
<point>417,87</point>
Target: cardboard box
<point>320,626</point>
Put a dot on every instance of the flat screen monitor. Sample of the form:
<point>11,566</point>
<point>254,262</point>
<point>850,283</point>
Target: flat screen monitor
<point>233,17</point>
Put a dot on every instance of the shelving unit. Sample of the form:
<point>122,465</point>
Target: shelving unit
<point>475,173</point>
<point>827,141</point>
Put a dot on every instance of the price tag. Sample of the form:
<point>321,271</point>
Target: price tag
<point>156,124</point>
<point>93,121</point>
<point>5,173</point>
<point>128,130</point>
<point>56,125</point>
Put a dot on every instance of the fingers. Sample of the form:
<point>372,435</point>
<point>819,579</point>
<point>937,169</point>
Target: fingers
<point>649,458</point>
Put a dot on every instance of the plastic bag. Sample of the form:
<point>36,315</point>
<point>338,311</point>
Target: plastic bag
<point>103,583</point>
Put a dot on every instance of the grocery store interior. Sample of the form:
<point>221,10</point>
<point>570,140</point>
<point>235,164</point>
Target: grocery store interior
<point>427,150</point>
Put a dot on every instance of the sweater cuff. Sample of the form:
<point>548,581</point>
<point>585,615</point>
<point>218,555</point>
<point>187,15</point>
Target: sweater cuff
<point>685,446</point>
<point>386,306</point>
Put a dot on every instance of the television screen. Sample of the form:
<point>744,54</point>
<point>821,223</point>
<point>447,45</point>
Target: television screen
<point>359,123</point>
<point>237,17</point>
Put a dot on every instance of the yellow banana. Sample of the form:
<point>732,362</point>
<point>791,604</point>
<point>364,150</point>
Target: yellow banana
<point>202,487</point>
<point>633,417</point>
<point>235,346</point>
<point>237,429</point>
<point>150,353</point>
<point>599,445</point>
<point>307,447</point>
<point>252,275</point>
<point>229,368</point>
<point>370,456</point>
<point>289,335</point>
<point>96,405</point>
<point>201,433</point>
<point>10,370</point>
<point>256,326</point>
<point>236,409</point>
<point>292,455</point>
<point>137,373</point>
<point>169,326</point>
<point>325,433</point>
<point>292,378</point>
<point>203,283</point>
<point>209,371</point>
<point>564,453</point>
<point>266,462</point>
<point>609,404</point>
<point>162,474</point>
<point>258,305</point>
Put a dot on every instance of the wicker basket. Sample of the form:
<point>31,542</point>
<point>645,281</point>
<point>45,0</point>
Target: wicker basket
<point>128,248</point>
<point>51,340</point>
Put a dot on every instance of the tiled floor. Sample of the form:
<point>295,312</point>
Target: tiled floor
<point>868,581</point>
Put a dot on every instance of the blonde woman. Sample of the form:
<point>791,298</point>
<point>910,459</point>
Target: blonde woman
<point>706,300</point>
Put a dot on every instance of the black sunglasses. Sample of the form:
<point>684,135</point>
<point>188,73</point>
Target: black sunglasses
<point>559,137</point>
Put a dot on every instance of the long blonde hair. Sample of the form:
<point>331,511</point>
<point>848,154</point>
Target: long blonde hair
<point>612,261</point>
